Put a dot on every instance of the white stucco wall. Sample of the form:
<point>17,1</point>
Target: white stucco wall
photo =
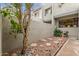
<point>37,18</point>
<point>47,17</point>
<point>73,32</point>
<point>65,9</point>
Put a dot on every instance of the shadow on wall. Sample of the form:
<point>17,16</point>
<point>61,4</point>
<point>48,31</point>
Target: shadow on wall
<point>37,31</point>
<point>8,41</point>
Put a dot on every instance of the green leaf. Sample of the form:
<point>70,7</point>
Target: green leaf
<point>57,32</point>
<point>15,26</point>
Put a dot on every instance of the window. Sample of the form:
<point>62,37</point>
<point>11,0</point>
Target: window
<point>48,11</point>
<point>36,14</point>
<point>48,22</point>
<point>68,21</point>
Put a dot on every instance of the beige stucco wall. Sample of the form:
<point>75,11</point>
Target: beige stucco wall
<point>38,30</point>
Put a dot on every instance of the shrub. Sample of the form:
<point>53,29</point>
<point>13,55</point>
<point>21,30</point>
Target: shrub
<point>57,32</point>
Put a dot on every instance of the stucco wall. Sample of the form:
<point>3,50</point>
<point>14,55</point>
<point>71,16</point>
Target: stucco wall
<point>38,31</point>
<point>65,8</point>
<point>48,16</point>
<point>8,41</point>
<point>0,35</point>
<point>39,17</point>
<point>73,32</point>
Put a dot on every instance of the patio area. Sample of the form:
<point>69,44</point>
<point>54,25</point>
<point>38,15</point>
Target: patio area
<point>44,47</point>
<point>51,46</point>
<point>70,48</point>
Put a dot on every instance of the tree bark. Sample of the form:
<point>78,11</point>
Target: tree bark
<point>25,43</point>
<point>25,31</point>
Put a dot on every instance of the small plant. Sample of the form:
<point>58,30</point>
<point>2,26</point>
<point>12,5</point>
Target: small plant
<point>57,32</point>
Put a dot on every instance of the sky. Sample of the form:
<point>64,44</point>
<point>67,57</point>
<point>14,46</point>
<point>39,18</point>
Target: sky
<point>35,6</point>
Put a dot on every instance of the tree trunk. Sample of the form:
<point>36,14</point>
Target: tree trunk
<point>25,43</point>
<point>26,24</point>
